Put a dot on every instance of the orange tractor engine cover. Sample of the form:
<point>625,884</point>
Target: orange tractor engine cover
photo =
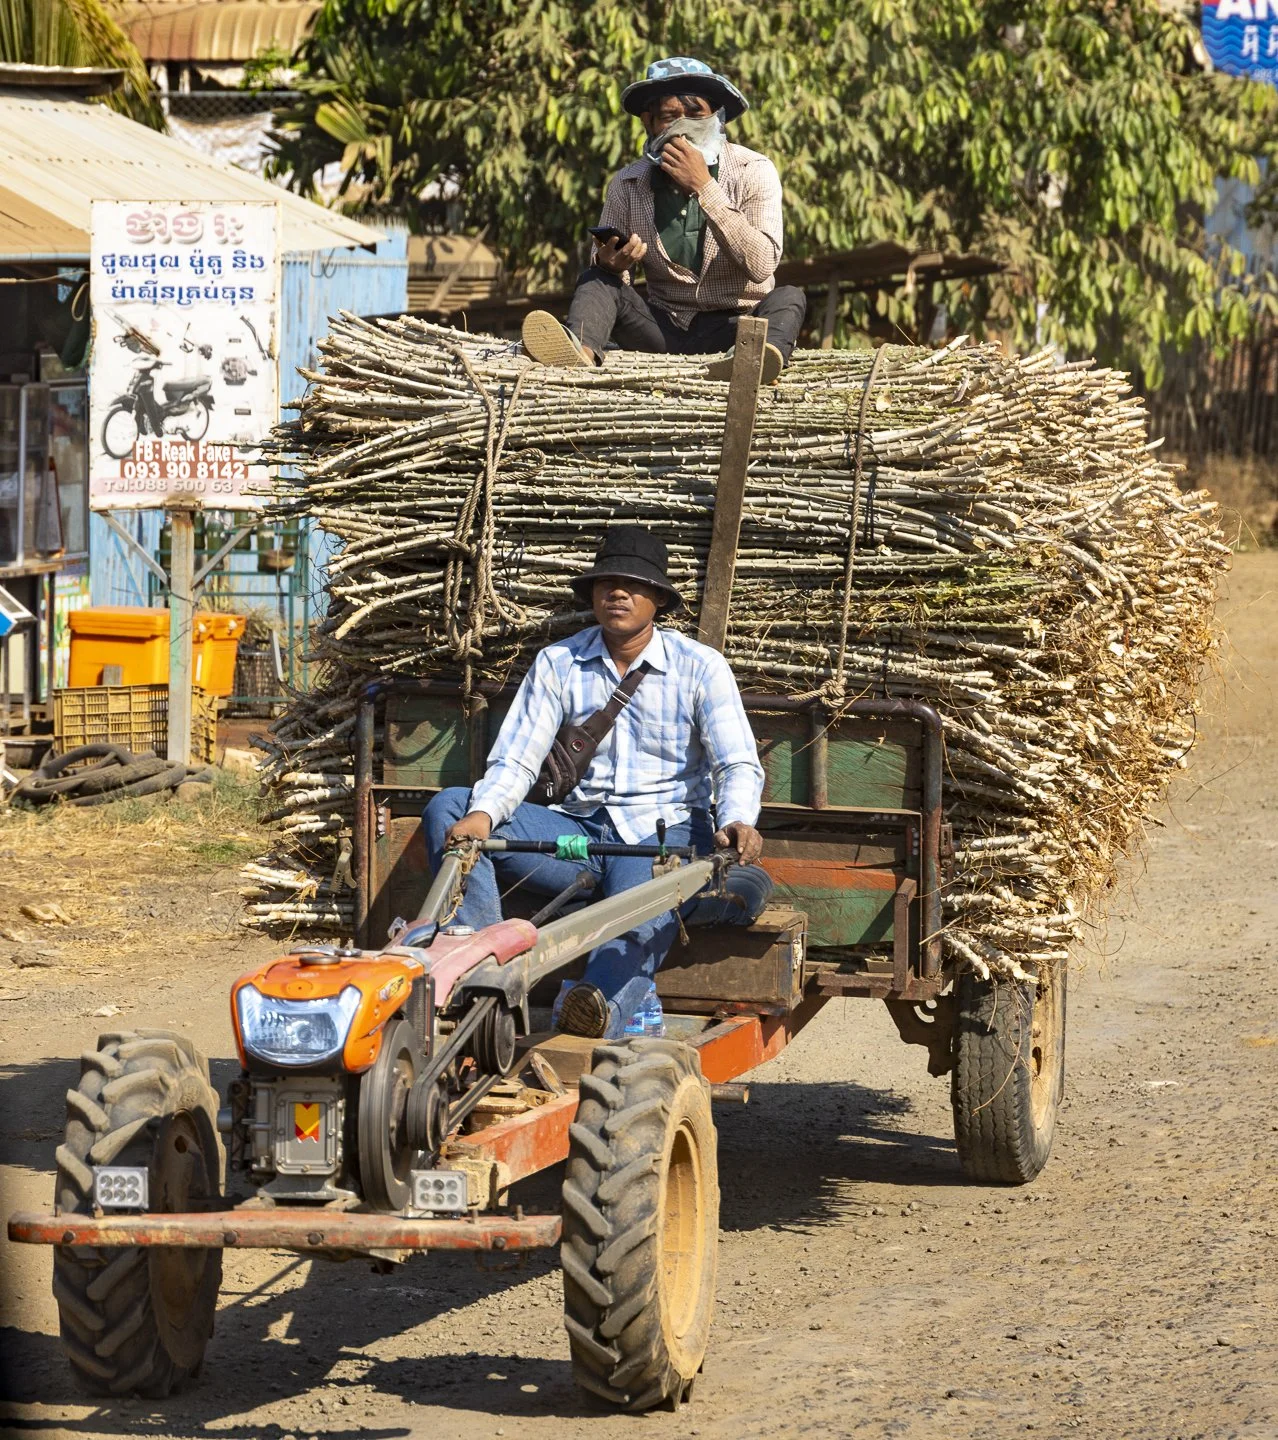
<point>384,983</point>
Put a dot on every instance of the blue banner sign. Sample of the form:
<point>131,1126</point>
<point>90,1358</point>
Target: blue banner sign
<point>1241,37</point>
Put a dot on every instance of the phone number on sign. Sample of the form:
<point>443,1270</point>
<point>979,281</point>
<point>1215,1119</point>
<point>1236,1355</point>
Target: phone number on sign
<point>195,477</point>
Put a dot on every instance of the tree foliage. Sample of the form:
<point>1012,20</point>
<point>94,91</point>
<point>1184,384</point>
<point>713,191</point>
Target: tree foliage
<point>76,33</point>
<point>1076,140</point>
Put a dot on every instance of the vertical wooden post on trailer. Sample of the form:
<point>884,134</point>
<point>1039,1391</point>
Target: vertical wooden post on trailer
<point>181,625</point>
<point>831,311</point>
<point>729,494</point>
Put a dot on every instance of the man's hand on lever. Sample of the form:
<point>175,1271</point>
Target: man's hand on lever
<point>686,166</point>
<point>618,256</point>
<point>478,825</point>
<point>745,839</point>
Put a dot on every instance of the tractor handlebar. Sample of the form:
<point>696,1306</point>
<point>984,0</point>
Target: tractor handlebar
<point>577,847</point>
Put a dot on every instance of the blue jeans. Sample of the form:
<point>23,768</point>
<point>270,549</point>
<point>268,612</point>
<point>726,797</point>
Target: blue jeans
<point>620,968</point>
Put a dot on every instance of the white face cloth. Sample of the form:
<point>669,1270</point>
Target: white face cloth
<point>703,133</point>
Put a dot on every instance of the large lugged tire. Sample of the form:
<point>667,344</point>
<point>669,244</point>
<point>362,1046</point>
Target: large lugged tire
<point>1009,1075</point>
<point>641,1224</point>
<point>138,1319</point>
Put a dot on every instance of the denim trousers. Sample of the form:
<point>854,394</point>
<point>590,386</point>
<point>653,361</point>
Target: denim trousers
<point>620,968</point>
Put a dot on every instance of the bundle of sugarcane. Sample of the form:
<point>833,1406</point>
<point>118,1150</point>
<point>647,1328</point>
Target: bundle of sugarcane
<point>995,536</point>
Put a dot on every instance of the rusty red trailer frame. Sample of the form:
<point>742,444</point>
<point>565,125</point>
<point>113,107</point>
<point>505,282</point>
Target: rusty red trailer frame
<point>523,1145</point>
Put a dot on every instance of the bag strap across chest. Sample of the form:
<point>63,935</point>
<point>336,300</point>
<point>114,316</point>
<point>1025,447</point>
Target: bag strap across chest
<point>598,725</point>
<point>574,746</point>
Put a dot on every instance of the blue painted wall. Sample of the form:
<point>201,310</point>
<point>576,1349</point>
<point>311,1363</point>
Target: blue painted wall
<point>313,287</point>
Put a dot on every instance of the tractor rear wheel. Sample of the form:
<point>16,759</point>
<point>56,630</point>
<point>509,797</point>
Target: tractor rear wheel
<point>641,1224</point>
<point>138,1319</point>
<point>1009,1074</point>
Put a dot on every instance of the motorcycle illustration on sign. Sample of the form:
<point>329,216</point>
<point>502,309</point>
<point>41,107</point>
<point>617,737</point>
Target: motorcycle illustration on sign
<point>184,410</point>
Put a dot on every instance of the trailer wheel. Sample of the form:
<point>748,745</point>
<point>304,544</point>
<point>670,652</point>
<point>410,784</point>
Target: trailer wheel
<point>1009,1074</point>
<point>641,1224</point>
<point>138,1319</point>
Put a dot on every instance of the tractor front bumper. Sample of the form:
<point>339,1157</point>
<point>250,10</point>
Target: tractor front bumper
<point>281,1229</point>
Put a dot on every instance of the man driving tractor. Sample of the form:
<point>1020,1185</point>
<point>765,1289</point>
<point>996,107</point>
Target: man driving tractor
<point>675,741</point>
<point>703,216</point>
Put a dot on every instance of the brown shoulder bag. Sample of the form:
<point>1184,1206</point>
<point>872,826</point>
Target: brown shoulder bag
<point>575,745</point>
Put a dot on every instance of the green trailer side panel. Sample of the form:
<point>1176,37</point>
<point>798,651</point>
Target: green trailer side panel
<point>840,917</point>
<point>846,903</point>
<point>872,764</point>
<point>426,740</point>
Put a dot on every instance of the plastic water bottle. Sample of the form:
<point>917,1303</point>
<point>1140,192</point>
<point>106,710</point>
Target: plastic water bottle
<point>649,1018</point>
<point>654,1017</point>
<point>634,1026</point>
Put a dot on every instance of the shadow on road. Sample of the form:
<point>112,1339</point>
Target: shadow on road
<point>805,1155</point>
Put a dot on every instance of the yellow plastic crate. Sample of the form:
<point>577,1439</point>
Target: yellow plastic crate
<point>132,715</point>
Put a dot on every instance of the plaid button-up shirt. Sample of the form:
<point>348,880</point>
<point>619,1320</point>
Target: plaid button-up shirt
<point>742,243</point>
<point>682,742</point>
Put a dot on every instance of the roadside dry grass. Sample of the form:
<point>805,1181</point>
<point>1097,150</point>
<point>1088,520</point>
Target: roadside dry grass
<point>1247,491</point>
<point>120,875</point>
<point>219,827</point>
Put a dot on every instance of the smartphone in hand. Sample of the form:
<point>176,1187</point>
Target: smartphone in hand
<point>606,233</point>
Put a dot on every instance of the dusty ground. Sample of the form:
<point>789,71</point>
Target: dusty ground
<point>864,1289</point>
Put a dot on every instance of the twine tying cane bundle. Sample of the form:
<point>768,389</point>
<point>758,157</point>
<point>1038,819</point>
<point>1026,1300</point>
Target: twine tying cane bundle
<point>995,536</point>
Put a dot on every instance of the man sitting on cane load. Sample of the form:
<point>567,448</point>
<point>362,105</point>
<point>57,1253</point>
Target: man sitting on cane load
<point>679,739</point>
<point>703,216</point>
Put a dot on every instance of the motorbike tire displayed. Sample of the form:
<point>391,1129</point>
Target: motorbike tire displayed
<point>137,1320</point>
<point>197,427</point>
<point>111,442</point>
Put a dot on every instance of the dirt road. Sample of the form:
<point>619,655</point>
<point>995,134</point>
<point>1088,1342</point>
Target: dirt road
<point>863,1288</point>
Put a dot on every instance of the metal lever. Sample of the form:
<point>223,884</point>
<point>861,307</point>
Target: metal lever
<point>583,884</point>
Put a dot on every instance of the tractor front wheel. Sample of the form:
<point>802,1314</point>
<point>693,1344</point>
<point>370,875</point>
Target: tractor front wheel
<point>641,1224</point>
<point>138,1319</point>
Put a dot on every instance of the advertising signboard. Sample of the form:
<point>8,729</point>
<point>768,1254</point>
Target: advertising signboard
<point>1241,36</point>
<point>184,381</point>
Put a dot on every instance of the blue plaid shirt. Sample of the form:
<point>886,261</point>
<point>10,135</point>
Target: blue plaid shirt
<point>682,743</point>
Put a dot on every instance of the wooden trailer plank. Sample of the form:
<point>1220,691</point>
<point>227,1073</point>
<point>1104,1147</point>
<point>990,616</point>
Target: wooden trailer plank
<point>729,493</point>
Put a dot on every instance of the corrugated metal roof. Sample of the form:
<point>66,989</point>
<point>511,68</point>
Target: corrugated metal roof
<point>215,29</point>
<point>29,233</point>
<point>60,154</point>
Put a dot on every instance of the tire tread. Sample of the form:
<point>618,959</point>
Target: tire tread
<point>611,1199</point>
<point>109,1328</point>
<point>994,1128</point>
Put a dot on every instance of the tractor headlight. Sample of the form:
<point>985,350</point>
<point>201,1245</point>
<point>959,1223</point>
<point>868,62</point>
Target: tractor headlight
<point>295,1032</point>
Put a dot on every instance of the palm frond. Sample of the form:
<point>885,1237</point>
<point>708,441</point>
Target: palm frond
<point>75,33</point>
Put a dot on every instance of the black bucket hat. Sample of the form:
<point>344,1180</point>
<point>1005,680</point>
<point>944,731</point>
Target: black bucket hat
<point>630,552</point>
